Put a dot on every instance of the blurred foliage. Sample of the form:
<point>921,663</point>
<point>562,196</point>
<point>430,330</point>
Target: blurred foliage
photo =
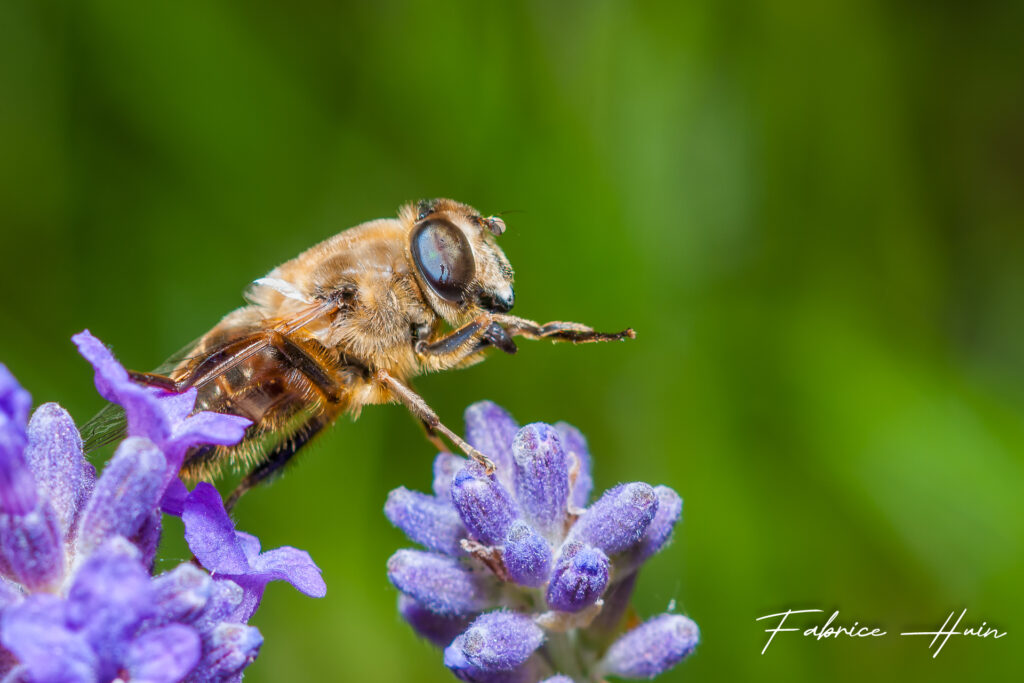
<point>812,214</point>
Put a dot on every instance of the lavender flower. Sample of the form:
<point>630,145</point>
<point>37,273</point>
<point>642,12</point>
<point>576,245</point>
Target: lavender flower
<point>522,581</point>
<point>77,598</point>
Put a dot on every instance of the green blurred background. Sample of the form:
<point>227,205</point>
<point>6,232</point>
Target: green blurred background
<point>813,216</point>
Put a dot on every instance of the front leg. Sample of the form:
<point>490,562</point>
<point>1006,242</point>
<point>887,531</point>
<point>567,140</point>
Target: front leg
<point>465,344</point>
<point>418,407</point>
<point>559,331</point>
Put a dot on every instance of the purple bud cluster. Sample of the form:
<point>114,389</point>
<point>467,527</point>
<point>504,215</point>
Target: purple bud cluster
<point>521,579</point>
<point>78,599</point>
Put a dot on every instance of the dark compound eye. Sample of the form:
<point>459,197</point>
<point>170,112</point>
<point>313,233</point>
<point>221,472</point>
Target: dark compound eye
<point>444,258</point>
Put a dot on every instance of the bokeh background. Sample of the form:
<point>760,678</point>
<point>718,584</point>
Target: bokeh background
<point>812,214</point>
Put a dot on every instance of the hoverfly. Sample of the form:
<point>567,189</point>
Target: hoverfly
<point>346,324</point>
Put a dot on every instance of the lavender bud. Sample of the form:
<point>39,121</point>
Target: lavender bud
<point>164,654</point>
<point>439,630</point>
<point>17,486</point>
<point>225,597</point>
<point>670,508</point>
<point>560,678</point>
<point>439,583</point>
<point>229,649</point>
<point>445,467</point>
<point>427,520</point>
<point>575,447</point>
<point>542,477</point>
<point>490,430</point>
<point>580,577</point>
<point>181,594</point>
<point>484,505</point>
<point>496,641</point>
<point>652,647</point>
<point>618,519</point>
<point>127,492</point>
<point>54,453</point>
<point>32,547</point>
<point>527,555</point>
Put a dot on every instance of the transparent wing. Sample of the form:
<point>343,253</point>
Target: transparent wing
<point>109,424</point>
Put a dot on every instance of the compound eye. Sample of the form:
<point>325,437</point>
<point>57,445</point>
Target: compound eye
<point>444,258</point>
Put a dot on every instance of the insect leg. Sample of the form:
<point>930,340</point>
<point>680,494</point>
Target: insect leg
<point>418,407</point>
<point>463,343</point>
<point>278,458</point>
<point>559,331</point>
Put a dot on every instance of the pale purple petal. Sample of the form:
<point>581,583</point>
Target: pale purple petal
<point>575,446</point>
<point>35,632</point>
<point>211,534</point>
<point>440,583</point>
<point>205,428</point>
<point>560,678</point>
<point>125,496</point>
<point>163,655</point>
<point>653,647</point>
<point>173,502</point>
<point>54,453</point>
<point>487,509</point>
<point>427,520</point>
<point>294,566</point>
<point>250,546</point>
<point>619,519</point>
<point>158,415</point>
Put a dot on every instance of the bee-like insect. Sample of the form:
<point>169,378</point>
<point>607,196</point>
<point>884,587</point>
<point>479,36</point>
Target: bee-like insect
<point>346,324</point>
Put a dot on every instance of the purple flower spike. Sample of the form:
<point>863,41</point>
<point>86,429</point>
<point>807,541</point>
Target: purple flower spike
<point>445,467</point>
<point>575,446</point>
<point>653,647</point>
<point>162,417</point>
<point>439,583</point>
<point>542,477</point>
<point>439,630</point>
<point>580,577</point>
<point>490,429</point>
<point>527,555</point>
<point>163,655</point>
<point>427,520</point>
<point>619,519</point>
<point>235,555</point>
<point>126,494</point>
<point>498,641</point>
<point>484,505</point>
<point>54,453</point>
<point>536,562</point>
